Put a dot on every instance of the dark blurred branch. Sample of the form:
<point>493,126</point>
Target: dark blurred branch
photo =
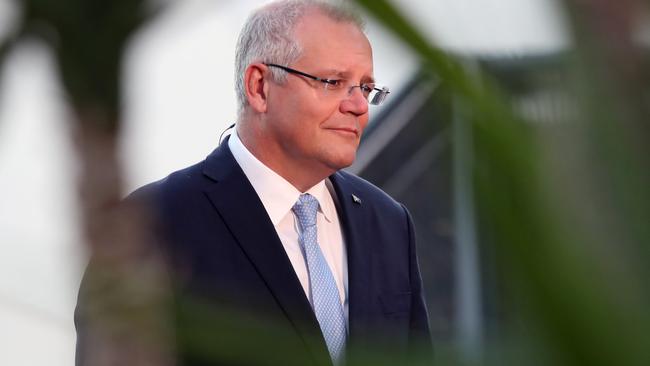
<point>585,311</point>
<point>612,81</point>
<point>124,320</point>
<point>89,39</point>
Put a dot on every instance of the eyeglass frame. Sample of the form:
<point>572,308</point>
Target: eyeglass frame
<point>383,92</point>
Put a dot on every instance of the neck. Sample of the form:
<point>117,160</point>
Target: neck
<point>301,173</point>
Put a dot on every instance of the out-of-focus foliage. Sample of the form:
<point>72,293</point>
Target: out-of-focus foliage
<point>88,39</point>
<point>566,205</point>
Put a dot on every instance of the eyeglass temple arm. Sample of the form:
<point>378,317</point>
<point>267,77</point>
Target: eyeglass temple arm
<point>290,70</point>
<point>328,81</point>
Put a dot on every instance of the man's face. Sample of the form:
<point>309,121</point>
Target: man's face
<point>310,126</point>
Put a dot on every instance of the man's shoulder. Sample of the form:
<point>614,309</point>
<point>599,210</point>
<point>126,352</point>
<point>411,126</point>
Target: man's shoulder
<point>177,183</point>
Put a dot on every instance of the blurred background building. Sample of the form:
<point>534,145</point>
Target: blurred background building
<point>179,97</point>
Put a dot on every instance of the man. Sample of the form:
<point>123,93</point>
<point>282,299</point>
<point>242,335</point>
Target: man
<point>300,262</point>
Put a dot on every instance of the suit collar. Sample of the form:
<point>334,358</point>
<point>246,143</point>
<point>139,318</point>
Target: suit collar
<point>354,216</point>
<point>220,164</point>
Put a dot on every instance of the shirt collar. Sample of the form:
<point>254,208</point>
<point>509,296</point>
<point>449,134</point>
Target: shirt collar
<point>277,195</point>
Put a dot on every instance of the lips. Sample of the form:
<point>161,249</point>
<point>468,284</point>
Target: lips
<point>346,130</point>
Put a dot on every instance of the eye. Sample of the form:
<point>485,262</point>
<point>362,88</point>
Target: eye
<point>366,89</point>
<point>334,83</point>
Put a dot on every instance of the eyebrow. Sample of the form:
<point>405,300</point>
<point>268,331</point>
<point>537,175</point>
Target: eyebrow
<point>345,75</point>
<point>368,79</point>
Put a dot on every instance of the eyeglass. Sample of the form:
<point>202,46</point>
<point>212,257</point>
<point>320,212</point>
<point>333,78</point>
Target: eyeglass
<point>373,94</point>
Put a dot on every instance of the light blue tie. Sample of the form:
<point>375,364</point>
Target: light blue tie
<point>324,293</point>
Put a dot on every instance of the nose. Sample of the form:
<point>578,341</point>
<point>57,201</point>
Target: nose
<point>355,102</point>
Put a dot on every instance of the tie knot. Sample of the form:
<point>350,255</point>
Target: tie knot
<point>306,209</point>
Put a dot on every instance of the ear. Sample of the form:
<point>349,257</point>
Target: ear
<point>256,86</point>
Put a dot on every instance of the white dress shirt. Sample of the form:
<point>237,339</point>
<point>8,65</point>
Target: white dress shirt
<point>278,197</point>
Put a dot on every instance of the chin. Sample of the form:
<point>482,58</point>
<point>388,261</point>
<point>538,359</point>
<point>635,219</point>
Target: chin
<point>341,162</point>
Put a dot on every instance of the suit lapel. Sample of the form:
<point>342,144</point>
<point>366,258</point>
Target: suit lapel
<point>242,211</point>
<point>353,213</point>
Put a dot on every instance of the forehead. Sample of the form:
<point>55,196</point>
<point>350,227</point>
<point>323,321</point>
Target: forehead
<point>330,44</point>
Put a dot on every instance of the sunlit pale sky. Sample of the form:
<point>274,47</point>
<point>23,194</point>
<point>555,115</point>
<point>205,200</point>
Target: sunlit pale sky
<point>179,96</point>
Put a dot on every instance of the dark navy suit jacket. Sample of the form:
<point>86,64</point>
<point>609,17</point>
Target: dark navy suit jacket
<point>225,255</point>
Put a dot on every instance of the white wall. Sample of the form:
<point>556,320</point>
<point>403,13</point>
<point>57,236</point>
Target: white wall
<point>39,244</point>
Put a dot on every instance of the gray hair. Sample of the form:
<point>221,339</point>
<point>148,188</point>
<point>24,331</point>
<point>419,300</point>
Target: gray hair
<point>267,36</point>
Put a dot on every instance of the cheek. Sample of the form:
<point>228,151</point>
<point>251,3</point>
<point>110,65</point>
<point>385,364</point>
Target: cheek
<point>327,114</point>
<point>308,110</point>
<point>363,121</point>
<point>362,124</point>
<point>306,113</point>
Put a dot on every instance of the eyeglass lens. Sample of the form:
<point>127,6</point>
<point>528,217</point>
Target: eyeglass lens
<point>376,97</point>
